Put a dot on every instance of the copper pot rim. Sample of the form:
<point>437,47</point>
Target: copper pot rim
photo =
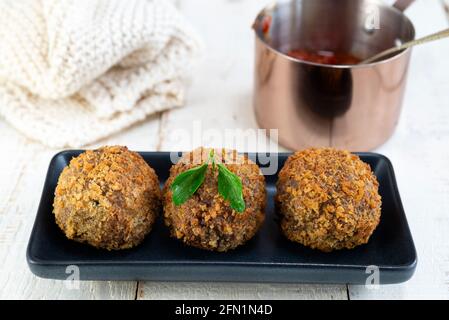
<point>397,56</point>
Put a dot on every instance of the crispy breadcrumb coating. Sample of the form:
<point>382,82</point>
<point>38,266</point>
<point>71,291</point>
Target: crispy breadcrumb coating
<point>328,199</point>
<point>206,220</point>
<point>108,198</point>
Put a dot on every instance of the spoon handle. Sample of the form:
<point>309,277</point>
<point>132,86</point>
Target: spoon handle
<point>436,36</point>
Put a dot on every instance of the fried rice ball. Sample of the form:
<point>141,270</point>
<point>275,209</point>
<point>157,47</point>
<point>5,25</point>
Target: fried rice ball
<point>206,220</point>
<point>108,198</point>
<point>328,199</point>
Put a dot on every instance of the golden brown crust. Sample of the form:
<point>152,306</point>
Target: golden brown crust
<point>108,198</point>
<point>206,220</point>
<point>328,199</point>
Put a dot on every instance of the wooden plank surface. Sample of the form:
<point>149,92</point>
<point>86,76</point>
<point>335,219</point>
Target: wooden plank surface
<point>220,95</point>
<point>239,291</point>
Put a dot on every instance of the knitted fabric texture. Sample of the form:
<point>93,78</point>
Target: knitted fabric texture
<point>75,71</point>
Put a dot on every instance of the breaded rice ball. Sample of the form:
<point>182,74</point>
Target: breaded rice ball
<point>328,199</point>
<point>108,198</point>
<point>206,219</point>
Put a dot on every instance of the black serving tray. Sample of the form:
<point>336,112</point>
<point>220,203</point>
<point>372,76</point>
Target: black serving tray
<point>268,257</point>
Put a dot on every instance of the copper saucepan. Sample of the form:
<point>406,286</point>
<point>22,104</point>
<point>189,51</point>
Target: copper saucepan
<point>354,107</point>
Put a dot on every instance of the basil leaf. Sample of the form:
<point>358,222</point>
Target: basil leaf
<point>230,188</point>
<point>186,184</point>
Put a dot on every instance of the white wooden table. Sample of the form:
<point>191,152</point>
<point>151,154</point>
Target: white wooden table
<point>220,96</point>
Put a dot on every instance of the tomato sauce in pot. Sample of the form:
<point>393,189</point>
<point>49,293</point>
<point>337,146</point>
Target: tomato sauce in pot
<point>324,57</point>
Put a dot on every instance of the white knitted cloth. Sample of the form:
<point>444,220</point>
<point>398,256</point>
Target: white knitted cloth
<point>75,71</point>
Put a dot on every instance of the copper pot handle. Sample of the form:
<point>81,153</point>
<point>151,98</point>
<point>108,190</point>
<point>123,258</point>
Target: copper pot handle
<point>402,5</point>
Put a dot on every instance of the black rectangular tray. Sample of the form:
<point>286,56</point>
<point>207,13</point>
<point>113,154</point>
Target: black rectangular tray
<point>268,257</point>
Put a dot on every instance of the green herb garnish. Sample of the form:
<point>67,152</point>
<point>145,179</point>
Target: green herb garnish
<point>186,183</point>
<point>229,184</point>
<point>230,188</point>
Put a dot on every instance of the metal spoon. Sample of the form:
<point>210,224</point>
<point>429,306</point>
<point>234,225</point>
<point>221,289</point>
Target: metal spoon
<point>436,36</point>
